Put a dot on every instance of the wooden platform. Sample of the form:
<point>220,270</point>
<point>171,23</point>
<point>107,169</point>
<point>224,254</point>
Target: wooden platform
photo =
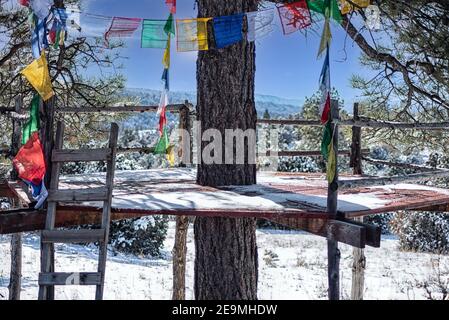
<point>277,196</point>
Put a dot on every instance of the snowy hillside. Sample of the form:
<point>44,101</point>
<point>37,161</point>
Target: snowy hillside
<point>276,106</point>
<point>292,265</point>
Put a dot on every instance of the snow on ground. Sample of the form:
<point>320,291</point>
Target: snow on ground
<point>297,272</point>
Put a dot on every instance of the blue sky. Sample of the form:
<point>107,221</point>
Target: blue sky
<point>287,66</point>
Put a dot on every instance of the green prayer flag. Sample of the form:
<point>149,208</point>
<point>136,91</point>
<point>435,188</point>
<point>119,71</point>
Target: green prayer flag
<point>163,144</point>
<point>327,140</point>
<point>170,25</point>
<point>321,5</point>
<point>33,123</point>
<point>154,34</point>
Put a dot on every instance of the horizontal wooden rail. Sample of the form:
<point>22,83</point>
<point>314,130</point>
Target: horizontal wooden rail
<point>399,165</point>
<point>173,108</point>
<point>378,181</point>
<point>360,123</point>
<point>7,109</point>
<point>136,150</point>
<point>305,153</point>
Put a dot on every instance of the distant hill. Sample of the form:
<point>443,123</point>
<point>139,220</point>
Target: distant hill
<point>276,106</point>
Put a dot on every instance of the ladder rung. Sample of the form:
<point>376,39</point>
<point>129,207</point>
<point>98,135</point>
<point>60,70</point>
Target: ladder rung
<point>73,236</point>
<point>70,279</point>
<point>84,155</point>
<point>92,194</point>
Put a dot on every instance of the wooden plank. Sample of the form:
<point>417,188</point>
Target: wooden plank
<point>379,181</point>
<point>316,153</point>
<point>107,208</point>
<point>5,190</point>
<point>18,189</point>
<point>364,123</point>
<point>47,249</point>
<point>93,194</point>
<point>84,155</point>
<point>173,108</point>
<point>351,234</point>
<point>400,165</point>
<point>373,233</point>
<point>69,279</point>
<point>73,236</point>
<point>71,215</point>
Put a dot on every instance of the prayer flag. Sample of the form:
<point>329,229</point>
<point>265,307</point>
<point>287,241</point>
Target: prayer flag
<point>260,24</point>
<point>294,16</point>
<point>171,5</point>
<point>326,37</point>
<point>38,35</point>
<point>41,8</point>
<point>331,166</point>
<point>327,139</point>
<point>325,88</point>
<point>33,123</point>
<point>29,162</point>
<point>58,30</point>
<point>24,3</point>
<point>347,7</point>
<point>192,34</point>
<point>38,192</point>
<point>39,77</point>
<point>321,6</point>
<point>122,28</point>
<point>228,30</point>
<point>155,33</point>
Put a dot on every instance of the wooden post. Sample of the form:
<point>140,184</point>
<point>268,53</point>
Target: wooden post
<point>47,113</point>
<point>356,147</point>
<point>180,258</point>
<point>333,253</point>
<point>15,278</point>
<point>359,259</point>
<point>182,222</point>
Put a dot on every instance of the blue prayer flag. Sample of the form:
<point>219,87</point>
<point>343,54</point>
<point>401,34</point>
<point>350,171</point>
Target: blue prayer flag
<point>228,30</point>
<point>39,36</point>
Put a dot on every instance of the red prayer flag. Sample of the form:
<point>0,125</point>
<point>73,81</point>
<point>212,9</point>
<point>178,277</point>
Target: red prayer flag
<point>294,16</point>
<point>172,5</point>
<point>30,162</point>
<point>122,27</point>
<point>24,3</point>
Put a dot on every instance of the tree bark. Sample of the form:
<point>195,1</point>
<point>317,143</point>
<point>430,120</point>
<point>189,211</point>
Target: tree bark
<point>226,251</point>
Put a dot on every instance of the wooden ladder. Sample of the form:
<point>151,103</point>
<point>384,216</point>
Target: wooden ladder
<point>48,278</point>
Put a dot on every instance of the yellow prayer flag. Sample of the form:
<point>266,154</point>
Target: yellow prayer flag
<point>347,7</point>
<point>171,155</point>
<point>166,59</point>
<point>39,77</point>
<point>331,163</point>
<point>192,34</point>
<point>326,37</point>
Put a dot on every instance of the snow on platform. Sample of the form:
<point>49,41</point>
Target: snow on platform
<point>174,191</point>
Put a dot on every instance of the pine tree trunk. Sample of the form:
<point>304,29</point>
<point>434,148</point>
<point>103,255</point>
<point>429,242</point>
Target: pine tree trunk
<point>226,251</point>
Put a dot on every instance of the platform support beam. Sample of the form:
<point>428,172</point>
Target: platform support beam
<point>15,278</point>
<point>358,254</point>
<point>182,222</point>
<point>333,253</point>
